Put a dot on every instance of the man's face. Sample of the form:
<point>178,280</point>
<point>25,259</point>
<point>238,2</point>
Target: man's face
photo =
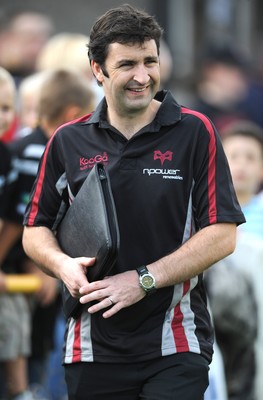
<point>245,159</point>
<point>7,107</point>
<point>133,77</point>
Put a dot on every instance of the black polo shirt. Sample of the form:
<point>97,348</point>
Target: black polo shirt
<point>26,153</point>
<point>169,180</point>
<point>7,177</point>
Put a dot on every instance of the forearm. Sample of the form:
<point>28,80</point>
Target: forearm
<point>42,247</point>
<point>205,248</point>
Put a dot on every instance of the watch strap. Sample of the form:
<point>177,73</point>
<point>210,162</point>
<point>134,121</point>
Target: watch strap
<point>143,270</point>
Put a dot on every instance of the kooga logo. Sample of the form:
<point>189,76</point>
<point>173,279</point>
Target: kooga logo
<point>89,162</point>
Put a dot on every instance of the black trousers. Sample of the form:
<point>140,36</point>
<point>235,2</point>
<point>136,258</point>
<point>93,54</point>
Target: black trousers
<point>182,376</point>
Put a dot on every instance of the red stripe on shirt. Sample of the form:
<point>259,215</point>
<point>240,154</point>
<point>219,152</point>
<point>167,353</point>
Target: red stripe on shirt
<point>38,191</point>
<point>177,324</point>
<point>76,343</point>
<point>35,199</point>
<point>212,211</point>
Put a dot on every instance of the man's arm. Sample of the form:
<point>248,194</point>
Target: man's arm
<point>205,248</point>
<point>41,246</point>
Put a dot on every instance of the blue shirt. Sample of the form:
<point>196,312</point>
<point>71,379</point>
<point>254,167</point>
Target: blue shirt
<point>253,212</point>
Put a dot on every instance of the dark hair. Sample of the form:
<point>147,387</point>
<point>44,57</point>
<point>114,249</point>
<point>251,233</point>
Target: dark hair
<point>123,24</point>
<point>244,128</point>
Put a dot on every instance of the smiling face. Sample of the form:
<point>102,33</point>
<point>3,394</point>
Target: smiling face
<point>130,77</point>
<point>7,107</point>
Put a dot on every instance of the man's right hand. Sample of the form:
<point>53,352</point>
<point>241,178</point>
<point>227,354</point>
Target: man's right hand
<point>73,273</point>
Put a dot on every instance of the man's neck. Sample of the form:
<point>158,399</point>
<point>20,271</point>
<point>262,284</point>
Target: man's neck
<point>131,124</point>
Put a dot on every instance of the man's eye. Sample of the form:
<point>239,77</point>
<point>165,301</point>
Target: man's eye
<point>125,65</point>
<point>151,62</point>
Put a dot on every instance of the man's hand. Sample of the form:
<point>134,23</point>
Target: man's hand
<point>73,273</point>
<point>117,292</point>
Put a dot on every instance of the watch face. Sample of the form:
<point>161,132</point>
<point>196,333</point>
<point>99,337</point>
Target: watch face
<point>147,281</point>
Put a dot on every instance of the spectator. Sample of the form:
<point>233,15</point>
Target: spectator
<point>236,283</point>
<point>8,107</point>
<point>22,36</point>
<point>68,50</point>
<point>14,308</point>
<point>64,96</point>
<point>222,85</point>
<point>28,102</point>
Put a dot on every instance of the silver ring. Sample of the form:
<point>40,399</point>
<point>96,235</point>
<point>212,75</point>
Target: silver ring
<point>112,302</point>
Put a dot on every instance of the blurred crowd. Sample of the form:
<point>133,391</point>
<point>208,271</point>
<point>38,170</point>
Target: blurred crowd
<point>46,81</point>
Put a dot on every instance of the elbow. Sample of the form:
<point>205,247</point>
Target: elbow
<point>230,240</point>
<point>25,240</point>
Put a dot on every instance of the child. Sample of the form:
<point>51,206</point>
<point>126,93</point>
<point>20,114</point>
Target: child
<point>7,102</point>
<point>235,284</point>
<point>243,145</point>
<point>65,95</point>
<point>14,310</point>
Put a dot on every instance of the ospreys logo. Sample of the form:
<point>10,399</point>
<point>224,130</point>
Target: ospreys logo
<point>158,155</point>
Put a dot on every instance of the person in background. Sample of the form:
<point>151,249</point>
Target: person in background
<point>14,309</point>
<point>235,284</point>
<point>64,96</point>
<point>28,102</point>
<point>166,64</point>
<point>145,330</point>
<point>68,49</point>
<point>8,97</point>
<point>242,144</point>
<point>222,84</point>
<point>22,35</point>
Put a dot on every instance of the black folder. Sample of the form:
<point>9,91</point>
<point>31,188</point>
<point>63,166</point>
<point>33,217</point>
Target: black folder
<point>90,229</point>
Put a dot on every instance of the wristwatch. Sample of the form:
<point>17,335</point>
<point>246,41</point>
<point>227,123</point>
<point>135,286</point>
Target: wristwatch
<point>146,280</point>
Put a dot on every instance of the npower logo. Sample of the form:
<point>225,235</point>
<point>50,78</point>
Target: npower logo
<point>165,173</point>
<point>85,162</point>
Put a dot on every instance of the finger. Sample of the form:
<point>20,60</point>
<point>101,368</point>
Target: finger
<point>104,303</point>
<point>112,310</point>
<point>86,261</point>
<point>92,287</point>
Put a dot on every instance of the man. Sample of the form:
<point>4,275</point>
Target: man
<point>177,215</point>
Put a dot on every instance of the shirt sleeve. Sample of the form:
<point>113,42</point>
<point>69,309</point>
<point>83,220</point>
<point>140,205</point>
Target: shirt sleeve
<point>46,195</point>
<point>214,197</point>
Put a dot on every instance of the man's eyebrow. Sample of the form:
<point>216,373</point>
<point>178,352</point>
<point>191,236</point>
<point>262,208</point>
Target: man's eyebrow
<point>131,61</point>
<point>152,58</point>
<point>125,61</point>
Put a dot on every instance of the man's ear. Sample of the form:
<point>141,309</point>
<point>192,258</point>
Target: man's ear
<point>97,71</point>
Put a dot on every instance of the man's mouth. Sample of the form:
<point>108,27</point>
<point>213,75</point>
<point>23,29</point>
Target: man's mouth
<point>138,90</point>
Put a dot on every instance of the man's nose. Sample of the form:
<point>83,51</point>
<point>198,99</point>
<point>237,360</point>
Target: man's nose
<point>141,74</point>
